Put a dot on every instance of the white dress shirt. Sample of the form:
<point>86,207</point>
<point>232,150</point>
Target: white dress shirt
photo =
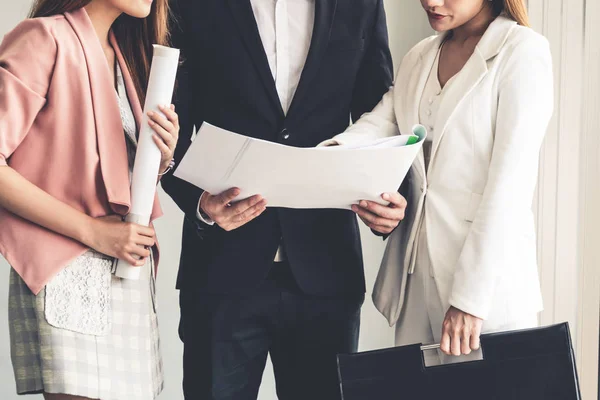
<point>285,28</point>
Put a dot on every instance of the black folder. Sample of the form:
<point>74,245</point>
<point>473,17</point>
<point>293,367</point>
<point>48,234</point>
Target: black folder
<point>533,364</point>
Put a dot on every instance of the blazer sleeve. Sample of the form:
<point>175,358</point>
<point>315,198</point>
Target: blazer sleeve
<point>525,106</point>
<point>379,123</point>
<point>185,195</point>
<point>27,58</point>
<point>376,72</point>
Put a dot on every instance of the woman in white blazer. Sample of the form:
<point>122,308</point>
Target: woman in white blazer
<point>463,260</point>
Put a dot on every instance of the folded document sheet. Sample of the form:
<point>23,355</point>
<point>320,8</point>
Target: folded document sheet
<point>292,177</point>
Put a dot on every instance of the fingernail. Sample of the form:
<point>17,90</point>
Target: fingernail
<point>386,196</point>
<point>364,204</point>
<point>150,113</point>
<point>151,123</point>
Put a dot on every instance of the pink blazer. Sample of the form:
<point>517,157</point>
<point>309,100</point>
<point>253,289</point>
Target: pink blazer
<point>60,127</point>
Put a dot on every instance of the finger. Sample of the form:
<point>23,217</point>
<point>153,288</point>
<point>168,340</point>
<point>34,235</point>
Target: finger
<point>139,251</point>
<point>164,135</point>
<point>242,206</point>
<point>476,339</point>
<point>466,343</point>
<point>145,231</point>
<point>395,198</point>
<point>378,228</point>
<point>170,113</point>
<point>145,241</point>
<point>455,342</point>
<point>248,212</point>
<point>368,216</point>
<point>387,212</point>
<point>445,343</point>
<point>132,260</point>
<point>157,118</point>
<point>251,217</point>
<point>226,197</point>
<point>164,149</point>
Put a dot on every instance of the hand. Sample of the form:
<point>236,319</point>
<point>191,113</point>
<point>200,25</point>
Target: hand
<point>122,240</point>
<point>232,216</point>
<point>460,333</point>
<point>383,219</point>
<point>167,133</point>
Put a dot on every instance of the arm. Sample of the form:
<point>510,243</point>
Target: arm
<point>204,208</point>
<point>23,91</point>
<point>375,75</point>
<point>185,195</point>
<point>374,81</point>
<point>524,110</point>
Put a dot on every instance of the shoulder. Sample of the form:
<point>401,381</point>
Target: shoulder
<point>39,27</point>
<point>29,52</point>
<point>525,64</point>
<point>424,44</point>
<point>416,51</point>
<point>525,43</point>
<point>32,35</point>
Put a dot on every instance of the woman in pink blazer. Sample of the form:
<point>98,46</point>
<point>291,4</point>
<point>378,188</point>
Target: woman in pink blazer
<point>72,79</point>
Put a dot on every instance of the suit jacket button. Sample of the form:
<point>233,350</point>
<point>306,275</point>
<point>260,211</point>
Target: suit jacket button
<point>284,134</point>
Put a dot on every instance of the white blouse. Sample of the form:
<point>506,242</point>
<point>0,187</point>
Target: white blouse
<point>431,99</point>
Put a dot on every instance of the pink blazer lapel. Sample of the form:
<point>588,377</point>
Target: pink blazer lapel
<point>109,128</point>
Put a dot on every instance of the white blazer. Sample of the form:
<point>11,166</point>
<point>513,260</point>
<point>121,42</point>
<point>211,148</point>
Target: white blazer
<point>478,193</point>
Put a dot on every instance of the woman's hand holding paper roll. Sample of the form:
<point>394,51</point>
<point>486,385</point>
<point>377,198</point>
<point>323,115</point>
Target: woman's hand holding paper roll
<point>167,133</point>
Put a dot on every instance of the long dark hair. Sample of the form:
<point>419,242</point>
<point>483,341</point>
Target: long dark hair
<point>134,35</point>
<point>514,9</point>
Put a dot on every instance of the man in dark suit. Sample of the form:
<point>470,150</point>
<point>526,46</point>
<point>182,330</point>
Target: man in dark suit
<point>254,280</point>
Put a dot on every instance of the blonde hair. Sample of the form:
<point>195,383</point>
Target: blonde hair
<point>514,9</point>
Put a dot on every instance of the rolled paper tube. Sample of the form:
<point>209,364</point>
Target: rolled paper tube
<point>161,84</point>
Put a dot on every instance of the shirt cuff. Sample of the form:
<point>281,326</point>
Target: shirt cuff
<point>329,143</point>
<point>202,216</point>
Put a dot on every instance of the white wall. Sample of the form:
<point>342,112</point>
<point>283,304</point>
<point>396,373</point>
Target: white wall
<point>407,25</point>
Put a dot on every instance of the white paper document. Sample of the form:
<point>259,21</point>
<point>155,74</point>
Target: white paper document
<point>291,177</point>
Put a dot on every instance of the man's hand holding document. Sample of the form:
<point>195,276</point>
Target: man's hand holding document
<point>292,177</point>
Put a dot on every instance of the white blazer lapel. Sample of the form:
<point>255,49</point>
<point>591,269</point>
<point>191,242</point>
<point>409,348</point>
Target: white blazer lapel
<point>469,77</point>
<point>463,83</point>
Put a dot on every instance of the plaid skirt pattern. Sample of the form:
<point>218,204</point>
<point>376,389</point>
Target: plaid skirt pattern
<point>122,363</point>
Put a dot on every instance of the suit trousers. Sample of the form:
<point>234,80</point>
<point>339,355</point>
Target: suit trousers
<point>227,339</point>
<point>423,313</point>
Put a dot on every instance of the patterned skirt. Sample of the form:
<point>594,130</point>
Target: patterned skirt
<point>87,333</point>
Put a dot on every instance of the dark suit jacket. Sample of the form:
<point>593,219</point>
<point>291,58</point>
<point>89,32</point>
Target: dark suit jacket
<point>225,80</point>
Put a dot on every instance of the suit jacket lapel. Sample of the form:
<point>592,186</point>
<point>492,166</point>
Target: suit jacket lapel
<point>109,128</point>
<point>324,16</point>
<point>248,29</point>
